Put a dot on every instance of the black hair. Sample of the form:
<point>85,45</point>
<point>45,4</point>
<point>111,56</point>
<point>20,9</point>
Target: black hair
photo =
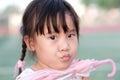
<point>40,11</point>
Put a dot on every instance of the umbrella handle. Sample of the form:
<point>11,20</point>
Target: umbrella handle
<point>98,63</point>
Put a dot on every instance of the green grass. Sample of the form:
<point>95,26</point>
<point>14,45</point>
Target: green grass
<point>92,45</point>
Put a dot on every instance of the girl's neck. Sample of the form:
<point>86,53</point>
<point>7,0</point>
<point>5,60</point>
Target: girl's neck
<point>37,66</point>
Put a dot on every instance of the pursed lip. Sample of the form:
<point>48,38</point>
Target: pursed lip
<point>66,57</point>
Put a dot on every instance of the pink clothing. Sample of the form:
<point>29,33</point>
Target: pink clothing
<point>77,70</point>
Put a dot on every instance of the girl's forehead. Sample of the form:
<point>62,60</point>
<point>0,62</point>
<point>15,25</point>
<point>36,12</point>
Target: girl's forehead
<point>60,25</point>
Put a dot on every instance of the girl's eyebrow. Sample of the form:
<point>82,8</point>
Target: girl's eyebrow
<point>71,30</point>
<point>53,32</point>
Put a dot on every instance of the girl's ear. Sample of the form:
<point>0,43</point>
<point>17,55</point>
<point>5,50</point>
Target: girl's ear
<point>30,43</point>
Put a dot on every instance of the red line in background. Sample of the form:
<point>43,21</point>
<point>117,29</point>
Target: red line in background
<point>90,29</point>
<point>101,29</point>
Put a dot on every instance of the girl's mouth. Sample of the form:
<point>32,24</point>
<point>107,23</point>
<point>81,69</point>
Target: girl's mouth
<point>66,57</point>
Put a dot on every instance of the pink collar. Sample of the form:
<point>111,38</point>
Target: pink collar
<point>78,66</point>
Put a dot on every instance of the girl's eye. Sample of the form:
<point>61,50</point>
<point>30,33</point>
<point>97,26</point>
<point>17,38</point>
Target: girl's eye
<point>71,35</point>
<point>53,37</point>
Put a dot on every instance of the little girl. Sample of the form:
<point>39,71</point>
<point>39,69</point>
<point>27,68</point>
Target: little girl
<point>51,31</point>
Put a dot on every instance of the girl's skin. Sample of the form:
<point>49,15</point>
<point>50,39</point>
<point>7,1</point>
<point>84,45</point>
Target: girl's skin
<point>51,31</point>
<point>55,50</point>
<point>84,78</point>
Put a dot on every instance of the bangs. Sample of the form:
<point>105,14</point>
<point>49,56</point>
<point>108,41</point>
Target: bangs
<point>55,22</point>
<point>52,14</point>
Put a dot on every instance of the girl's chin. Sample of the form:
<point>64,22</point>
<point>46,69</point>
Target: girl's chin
<point>62,68</point>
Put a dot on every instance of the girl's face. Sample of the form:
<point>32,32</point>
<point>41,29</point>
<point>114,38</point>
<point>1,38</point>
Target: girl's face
<point>56,50</point>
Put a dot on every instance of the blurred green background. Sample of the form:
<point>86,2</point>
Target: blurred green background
<point>99,35</point>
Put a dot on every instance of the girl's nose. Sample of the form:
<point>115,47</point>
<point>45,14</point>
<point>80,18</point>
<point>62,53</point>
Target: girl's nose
<point>64,45</point>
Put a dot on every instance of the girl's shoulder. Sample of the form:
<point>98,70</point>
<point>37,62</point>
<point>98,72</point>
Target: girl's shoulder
<point>25,72</point>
